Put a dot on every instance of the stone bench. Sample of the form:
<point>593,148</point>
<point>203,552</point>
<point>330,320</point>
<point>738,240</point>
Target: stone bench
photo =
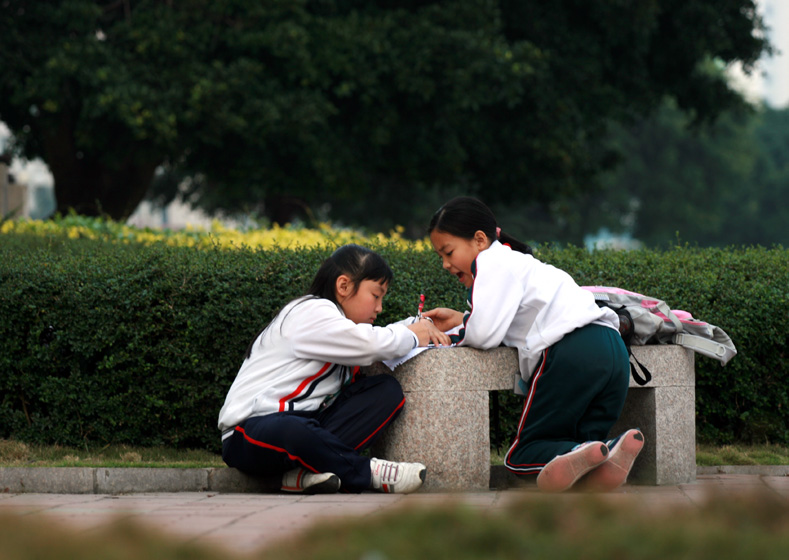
<point>445,423</point>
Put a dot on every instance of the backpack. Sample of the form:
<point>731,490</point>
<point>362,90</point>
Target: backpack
<point>648,320</point>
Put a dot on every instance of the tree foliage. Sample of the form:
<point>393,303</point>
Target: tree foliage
<point>341,100</point>
<point>725,183</point>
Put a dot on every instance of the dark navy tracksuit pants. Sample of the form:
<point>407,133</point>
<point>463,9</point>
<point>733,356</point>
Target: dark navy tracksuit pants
<point>327,440</point>
<point>576,395</point>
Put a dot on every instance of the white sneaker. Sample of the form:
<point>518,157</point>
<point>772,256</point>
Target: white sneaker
<point>306,482</point>
<point>391,477</point>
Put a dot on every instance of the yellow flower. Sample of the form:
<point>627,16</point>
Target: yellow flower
<point>219,235</point>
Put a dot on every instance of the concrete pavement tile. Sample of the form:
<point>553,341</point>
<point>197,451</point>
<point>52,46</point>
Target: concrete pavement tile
<point>294,516</point>
<point>352,509</point>
<point>163,496</point>
<point>732,481</point>
<point>324,510</point>
<point>135,506</point>
<point>217,511</point>
<point>779,484</point>
<point>89,510</point>
<point>709,487</point>
<point>245,541</point>
<point>260,500</point>
<point>192,525</point>
<point>48,499</point>
<point>242,498</point>
<point>22,509</point>
<point>381,497</point>
<point>24,504</point>
<point>427,499</point>
<point>743,486</point>
<point>185,509</point>
<point>370,497</point>
<point>478,499</point>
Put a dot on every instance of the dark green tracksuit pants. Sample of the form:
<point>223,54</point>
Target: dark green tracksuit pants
<point>575,395</point>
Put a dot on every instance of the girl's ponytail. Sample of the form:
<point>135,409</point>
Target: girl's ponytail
<point>463,216</point>
<point>514,244</point>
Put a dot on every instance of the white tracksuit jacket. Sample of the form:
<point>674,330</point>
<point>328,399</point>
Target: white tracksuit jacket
<point>304,357</point>
<point>518,301</point>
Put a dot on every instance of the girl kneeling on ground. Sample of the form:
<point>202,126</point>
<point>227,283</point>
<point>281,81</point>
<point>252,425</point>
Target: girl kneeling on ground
<point>574,369</point>
<point>297,407</point>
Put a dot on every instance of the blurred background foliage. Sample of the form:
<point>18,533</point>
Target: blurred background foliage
<point>567,117</point>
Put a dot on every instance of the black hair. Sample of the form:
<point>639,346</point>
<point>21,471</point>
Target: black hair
<point>463,216</point>
<point>357,262</point>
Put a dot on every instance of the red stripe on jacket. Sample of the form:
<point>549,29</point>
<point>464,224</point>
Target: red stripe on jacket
<point>284,400</point>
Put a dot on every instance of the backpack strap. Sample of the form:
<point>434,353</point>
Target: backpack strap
<point>705,346</point>
<point>638,378</point>
<point>626,331</point>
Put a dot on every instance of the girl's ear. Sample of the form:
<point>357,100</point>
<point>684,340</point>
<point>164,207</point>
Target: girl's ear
<point>343,287</point>
<point>481,240</point>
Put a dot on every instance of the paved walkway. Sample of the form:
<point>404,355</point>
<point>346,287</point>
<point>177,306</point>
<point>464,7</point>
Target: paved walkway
<point>244,522</point>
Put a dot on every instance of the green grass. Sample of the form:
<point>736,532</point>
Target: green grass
<point>708,455</point>
<point>18,454</point>
<point>712,455</point>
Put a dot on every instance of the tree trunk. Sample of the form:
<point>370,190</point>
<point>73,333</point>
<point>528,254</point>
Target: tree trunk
<point>283,208</point>
<point>92,189</point>
<point>106,184</point>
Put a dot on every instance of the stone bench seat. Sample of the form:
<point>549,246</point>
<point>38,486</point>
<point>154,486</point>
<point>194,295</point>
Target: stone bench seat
<point>445,422</point>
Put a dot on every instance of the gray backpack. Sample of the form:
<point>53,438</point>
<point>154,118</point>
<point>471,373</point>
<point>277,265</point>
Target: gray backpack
<point>648,320</point>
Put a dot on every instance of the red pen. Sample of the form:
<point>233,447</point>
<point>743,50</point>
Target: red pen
<point>421,306</point>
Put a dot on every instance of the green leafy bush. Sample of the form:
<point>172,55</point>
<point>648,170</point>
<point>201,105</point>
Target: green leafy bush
<point>124,343</point>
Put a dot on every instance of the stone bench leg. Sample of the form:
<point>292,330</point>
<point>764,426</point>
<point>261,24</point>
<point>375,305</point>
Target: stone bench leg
<point>448,432</point>
<point>666,417</point>
<point>666,414</point>
<point>445,422</point>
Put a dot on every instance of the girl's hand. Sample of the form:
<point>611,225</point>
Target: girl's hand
<point>427,332</point>
<point>444,318</point>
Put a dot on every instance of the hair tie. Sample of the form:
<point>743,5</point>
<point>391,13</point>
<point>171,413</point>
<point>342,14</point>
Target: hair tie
<point>498,232</point>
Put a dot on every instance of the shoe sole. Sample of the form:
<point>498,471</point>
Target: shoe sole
<point>565,470</point>
<point>329,486</point>
<point>412,487</point>
<point>613,473</point>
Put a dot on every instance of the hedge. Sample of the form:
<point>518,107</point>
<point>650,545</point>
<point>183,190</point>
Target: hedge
<point>106,342</point>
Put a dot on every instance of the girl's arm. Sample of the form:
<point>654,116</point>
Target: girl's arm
<point>444,318</point>
<point>495,299</point>
<point>427,332</point>
<point>317,330</point>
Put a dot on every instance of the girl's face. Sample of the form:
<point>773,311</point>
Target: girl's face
<point>363,305</point>
<point>457,253</point>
